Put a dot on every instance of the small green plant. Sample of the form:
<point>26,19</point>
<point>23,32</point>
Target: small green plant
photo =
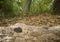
<point>41,6</point>
<point>9,7</point>
<point>44,23</point>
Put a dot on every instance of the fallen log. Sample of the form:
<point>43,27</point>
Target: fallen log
<point>33,33</point>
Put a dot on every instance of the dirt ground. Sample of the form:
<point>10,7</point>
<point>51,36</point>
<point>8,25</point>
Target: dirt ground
<point>37,20</point>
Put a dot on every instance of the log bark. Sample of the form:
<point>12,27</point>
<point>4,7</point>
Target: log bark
<point>30,33</point>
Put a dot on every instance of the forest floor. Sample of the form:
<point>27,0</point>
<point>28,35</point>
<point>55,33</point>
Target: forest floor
<point>37,20</point>
<point>39,28</point>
